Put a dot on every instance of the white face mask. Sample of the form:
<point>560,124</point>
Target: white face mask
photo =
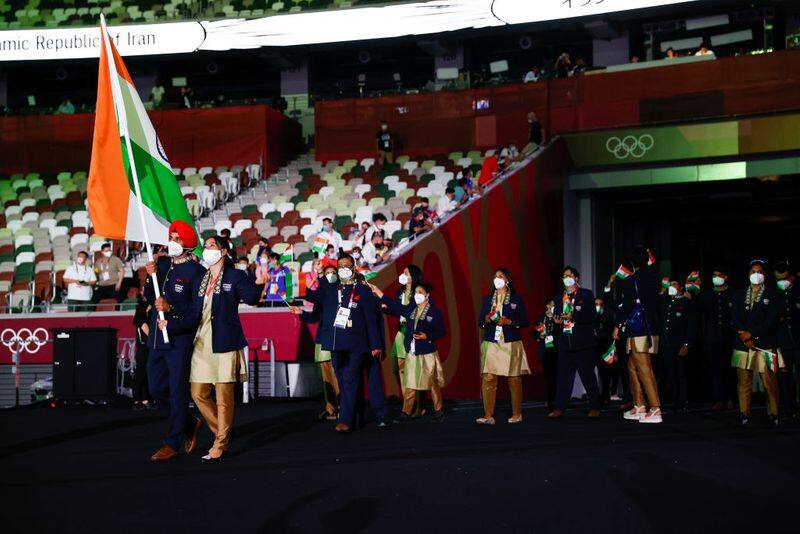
<point>345,273</point>
<point>499,283</point>
<point>757,279</point>
<point>80,260</point>
<point>331,278</point>
<point>211,256</point>
<point>356,255</point>
<point>241,267</point>
<point>718,281</point>
<point>672,291</point>
<point>174,249</point>
<point>569,281</point>
<point>783,285</point>
<point>419,298</point>
<point>403,279</point>
<point>107,253</point>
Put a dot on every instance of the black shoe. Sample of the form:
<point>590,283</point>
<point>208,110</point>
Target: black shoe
<point>383,422</point>
<point>744,420</point>
<point>402,418</point>
<point>774,420</point>
<point>438,417</point>
<point>138,407</point>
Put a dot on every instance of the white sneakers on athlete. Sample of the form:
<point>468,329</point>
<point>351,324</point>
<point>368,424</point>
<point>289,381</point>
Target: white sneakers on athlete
<point>653,416</point>
<point>485,420</point>
<point>637,413</point>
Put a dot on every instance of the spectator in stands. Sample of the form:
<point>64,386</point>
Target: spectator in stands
<point>329,237</point>
<point>634,59</point>
<point>276,276</point>
<point>756,318</point>
<point>704,50</point>
<point>502,317</point>
<point>460,192</point>
<point>329,256</point>
<point>66,107</point>
<point>579,68</point>
<point>358,258</point>
<point>79,279</point>
<point>535,130</point>
<point>263,244</point>
<point>447,202</point>
<point>242,263</point>
<point>157,94</point>
<point>373,252</point>
<point>359,240</point>
<point>563,66</point>
<point>385,142</point>
<point>141,395</point>
<point>110,272</point>
<point>187,97</point>
<point>418,224</point>
<point>378,222</point>
<point>532,75</point>
<point>671,53</point>
<point>489,170</point>
<point>468,183</point>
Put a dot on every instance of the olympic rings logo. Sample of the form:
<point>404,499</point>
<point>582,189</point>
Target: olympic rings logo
<point>24,339</point>
<point>630,146</point>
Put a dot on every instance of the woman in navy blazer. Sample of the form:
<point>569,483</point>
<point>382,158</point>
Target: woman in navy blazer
<point>575,314</point>
<point>217,359</point>
<point>424,326</point>
<point>502,316</point>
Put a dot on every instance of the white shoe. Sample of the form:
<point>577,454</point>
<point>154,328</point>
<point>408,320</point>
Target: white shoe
<point>515,420</point>
<point>653,416</point>
<point>485,420</point>
<point>615,398</point>
<point>637,413</point>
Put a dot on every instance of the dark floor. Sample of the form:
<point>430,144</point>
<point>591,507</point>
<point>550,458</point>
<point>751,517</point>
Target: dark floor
<point>86,470</point>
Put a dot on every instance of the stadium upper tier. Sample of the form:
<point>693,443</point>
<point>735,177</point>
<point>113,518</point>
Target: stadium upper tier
<point>45,219</point>
<point>17,14</point>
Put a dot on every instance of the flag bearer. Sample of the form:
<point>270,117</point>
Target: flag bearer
<point>169,362</point>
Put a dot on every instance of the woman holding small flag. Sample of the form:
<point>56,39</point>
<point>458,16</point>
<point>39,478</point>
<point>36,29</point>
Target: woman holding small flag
<point>756,315</point>
<point>423,368</point>
<point>502,316</point>
<point>575,313</point>
<point>218,360</point>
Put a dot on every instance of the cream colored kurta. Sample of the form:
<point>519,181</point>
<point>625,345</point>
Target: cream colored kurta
<point>422,371</point>
<point>504,358</point>
<point>214,368</point>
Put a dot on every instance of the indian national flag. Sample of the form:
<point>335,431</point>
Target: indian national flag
<point>694,276</point>
<point>610,356</point>
<point>366,273</point>
<point>665,282</point>
<point>623,272</point>
<point>123,133</point>
<point>651,260</point>
<point>320,244</point>
<point>287,254</point>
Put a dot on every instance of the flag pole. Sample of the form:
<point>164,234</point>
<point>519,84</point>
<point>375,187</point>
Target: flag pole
<point>123,127</point>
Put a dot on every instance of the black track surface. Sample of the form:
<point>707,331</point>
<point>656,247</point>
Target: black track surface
<point>86,469</point>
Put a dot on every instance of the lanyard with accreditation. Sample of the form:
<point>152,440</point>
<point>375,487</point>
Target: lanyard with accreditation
<point>343,313</point>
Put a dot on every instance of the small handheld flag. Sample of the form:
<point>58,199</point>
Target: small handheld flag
<point>610,356</point>
<point>623,272</point>
<point>651,260</point>
<point>287,254</point>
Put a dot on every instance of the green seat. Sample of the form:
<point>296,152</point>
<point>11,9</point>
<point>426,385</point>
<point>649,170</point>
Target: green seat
<point>398,235</point>
<point>65,222</point>
<point>273,216</point>
<point>248,209</point>
<point>24,248</point>
<point>237,241</point>
<point>427,178</point>
<point>62,207</point>
<point>475,168</point>
<point>357,170</point>
<point>452,183</point>
<point>207,233</point>
<point>297,199</point>
<point>341,220</point>
<point>305,172</point>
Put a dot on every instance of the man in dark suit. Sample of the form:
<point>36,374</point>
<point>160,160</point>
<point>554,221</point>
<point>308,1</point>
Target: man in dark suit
<point>352,315</point>
<point>169,362</point>
<point>788,335</point>
<point>715,304</point>
<point>639,320</point>
<point>575,313</point>
<point>677,337</point>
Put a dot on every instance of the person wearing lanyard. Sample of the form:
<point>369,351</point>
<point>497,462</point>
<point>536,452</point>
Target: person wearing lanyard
<point>168,362</point>
<point>545,333</point>
<point>330,385</point>
<point>218,359</point>
<point>502,353</point>
<point>409,279</point>
<point>79,279</point>
<point>424,326</point>
<point>575,313</point>
<point>351,312</point>
<point>110,271</point>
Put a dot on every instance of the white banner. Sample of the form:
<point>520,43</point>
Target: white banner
<point>317,27</point>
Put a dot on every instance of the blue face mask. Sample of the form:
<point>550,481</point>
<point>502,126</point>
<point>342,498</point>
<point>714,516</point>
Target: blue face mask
<point>326,228</point>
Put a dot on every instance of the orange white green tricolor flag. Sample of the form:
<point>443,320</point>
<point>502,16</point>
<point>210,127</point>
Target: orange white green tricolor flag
<point>112,191</point>
<point>610,356</point>
<point>623,272</point>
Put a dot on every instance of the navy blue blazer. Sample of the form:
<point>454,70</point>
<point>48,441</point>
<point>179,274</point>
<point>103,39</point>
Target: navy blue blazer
<point>680,321</point>
<point>431,324</point>
<point>789,328</point>
<point>176,282</point>
<point>324,334</point>
<point>584,316</point>
<point>366,332</point>
<point>515,311</point>
<point>226,327</point>
<point>761,321</point>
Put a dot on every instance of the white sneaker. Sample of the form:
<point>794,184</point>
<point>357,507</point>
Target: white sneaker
<point>653,416</point>
<point>615,398</point>
<point>637,413</point>
<point>485,420</point>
